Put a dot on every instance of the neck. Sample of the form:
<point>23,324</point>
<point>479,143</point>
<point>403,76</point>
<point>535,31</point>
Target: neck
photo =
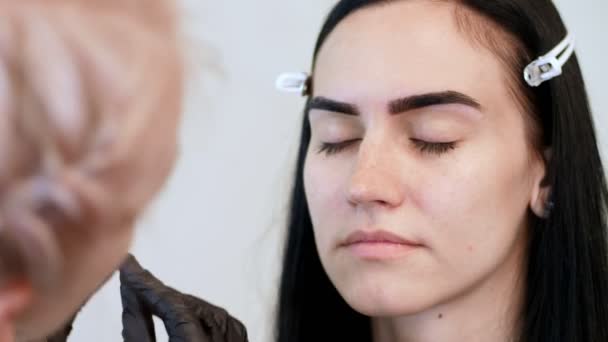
<point>488,312</point>
<point>89,262</point>
<point>6,330</point>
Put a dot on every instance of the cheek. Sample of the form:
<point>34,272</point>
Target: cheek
<point>478,204</point>
<point>324,186</point>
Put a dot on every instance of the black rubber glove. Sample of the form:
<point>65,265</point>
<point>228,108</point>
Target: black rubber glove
<point>186,318</point>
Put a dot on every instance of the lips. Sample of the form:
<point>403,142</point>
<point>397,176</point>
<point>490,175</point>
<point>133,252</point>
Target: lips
<point>379,246</point>
<point>378,237</point>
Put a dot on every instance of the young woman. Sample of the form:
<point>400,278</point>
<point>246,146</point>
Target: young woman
<point>439,194</point>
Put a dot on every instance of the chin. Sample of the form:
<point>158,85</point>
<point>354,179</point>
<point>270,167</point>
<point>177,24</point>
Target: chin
<point>386,306</point>
<point>378,296</point>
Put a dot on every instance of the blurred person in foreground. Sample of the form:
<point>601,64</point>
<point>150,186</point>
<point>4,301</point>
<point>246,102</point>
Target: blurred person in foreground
<point>90,97</point>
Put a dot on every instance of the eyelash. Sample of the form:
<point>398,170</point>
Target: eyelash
<point>434,148</point>
<point>333,148</point>
<point>423,146</point>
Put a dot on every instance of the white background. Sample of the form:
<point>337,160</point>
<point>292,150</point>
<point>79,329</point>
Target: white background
<point>216,230</point>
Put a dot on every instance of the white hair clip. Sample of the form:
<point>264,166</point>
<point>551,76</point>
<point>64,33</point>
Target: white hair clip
<point>293,82</point>
<point>550,65</point>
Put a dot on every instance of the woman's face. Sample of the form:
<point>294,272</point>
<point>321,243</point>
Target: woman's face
<point>419,176</point>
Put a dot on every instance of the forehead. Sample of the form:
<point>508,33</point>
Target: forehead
<point>403,48</point>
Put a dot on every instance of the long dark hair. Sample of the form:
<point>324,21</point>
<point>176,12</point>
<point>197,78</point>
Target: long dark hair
<point>567,266</point>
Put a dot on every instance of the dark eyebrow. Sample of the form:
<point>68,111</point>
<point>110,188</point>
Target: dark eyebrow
<point>324,103</point>
<point>400,105</point>
<point>431,99</point>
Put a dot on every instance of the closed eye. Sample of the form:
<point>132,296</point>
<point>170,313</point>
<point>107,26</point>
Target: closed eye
<point>333,148</point>
<point>436,148</point>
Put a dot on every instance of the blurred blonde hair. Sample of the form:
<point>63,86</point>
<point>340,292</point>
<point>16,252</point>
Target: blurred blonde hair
<point>90,91</point>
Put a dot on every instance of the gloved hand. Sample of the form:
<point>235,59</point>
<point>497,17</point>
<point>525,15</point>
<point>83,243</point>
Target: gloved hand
<point>186,318</point>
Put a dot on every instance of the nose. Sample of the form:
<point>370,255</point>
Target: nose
<point>375,177</point>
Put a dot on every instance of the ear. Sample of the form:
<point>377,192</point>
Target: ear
<point>14,299</point>
<point>541,191</point>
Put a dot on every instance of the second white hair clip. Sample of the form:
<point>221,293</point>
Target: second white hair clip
<point>550,65</point>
